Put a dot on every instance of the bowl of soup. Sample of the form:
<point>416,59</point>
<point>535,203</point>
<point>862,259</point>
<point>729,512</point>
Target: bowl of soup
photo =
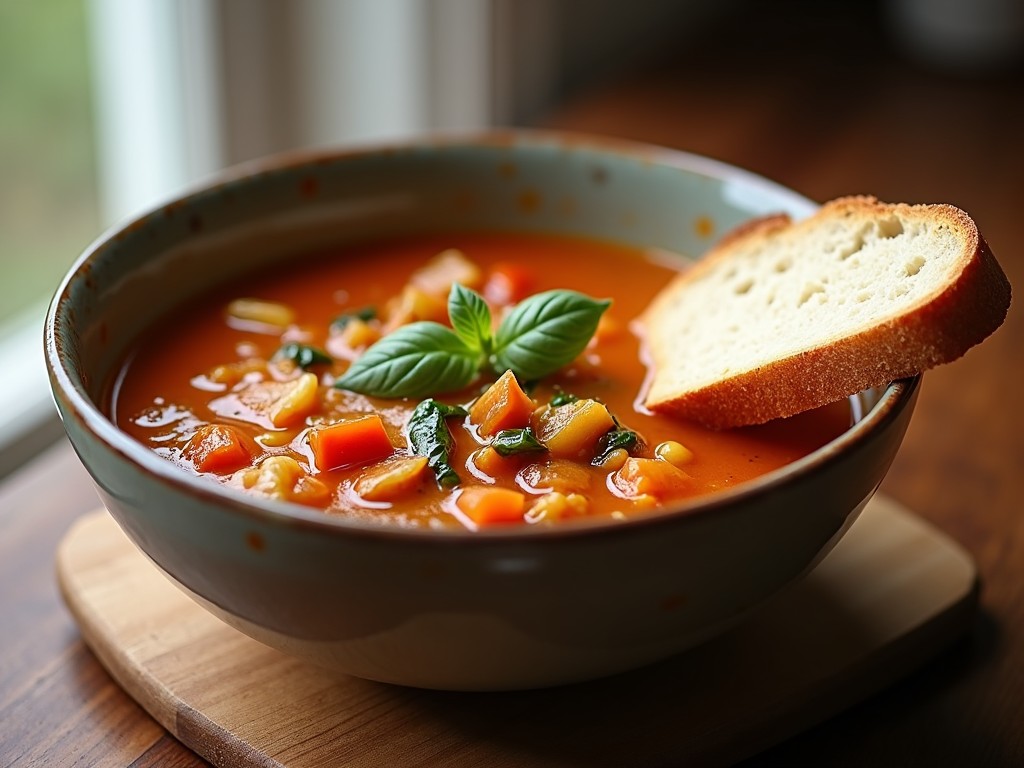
<point>381,409</point>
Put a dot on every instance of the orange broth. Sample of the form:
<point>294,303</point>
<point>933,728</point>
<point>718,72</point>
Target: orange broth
<point>174,382</point>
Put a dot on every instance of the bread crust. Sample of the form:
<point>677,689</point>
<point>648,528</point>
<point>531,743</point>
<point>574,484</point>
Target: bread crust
<point>938,328</point>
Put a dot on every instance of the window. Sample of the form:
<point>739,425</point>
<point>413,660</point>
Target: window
<point>48,209</point>
<point>48,206</point>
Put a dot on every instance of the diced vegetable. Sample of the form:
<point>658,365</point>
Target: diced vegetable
<point>282,403</point>
<point>413,305</point>
<point>359,333</point>
<point>392,478</point>
<point>503,406</point>
<point>218,448</point>
<point>363,314</point>
<point>429,436</point>
<point>487,505</point>
<point>282,477</point>
<point>230,374</point>
<point>509,283</point>
<point>303,355</point>
<point>555,475</point>
<point>276,438</point>
<point>296,401</point>
<point>557,506</point>
<point>350,442</point>
<point>613,459</point>
<point>651,477</point>
<point>510,442</point>
<point>270,313</point>
<point>573,430</point>
<point>438,275</point>
<point>493,464</point>
<point>674,453</point>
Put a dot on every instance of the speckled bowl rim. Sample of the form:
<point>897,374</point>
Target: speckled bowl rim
<point>897,396</point>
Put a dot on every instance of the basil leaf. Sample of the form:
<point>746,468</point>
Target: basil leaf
<point>303,355</point>
<point>415,360</point>
<point>509,442</point>
<point>429,436</point>
<point>545,332</point>
<point>470,317</point>
<point>613,440</point>
<point>365,314</point>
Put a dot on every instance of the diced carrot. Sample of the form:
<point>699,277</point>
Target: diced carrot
<point>350,442</point>
<point>486,505</point>
<point>218,448</point>
<point>509,283</point>
<point>503,406</point>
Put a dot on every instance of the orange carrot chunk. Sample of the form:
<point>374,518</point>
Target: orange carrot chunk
<point>503,406</point>
<point>218,448</point>
<point>351,442</point>
<point>486,505</point>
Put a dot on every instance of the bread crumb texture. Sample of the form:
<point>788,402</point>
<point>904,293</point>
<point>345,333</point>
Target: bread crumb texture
<point>781,317</point>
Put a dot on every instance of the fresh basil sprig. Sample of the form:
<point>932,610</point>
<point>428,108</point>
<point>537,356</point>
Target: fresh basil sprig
<point>545,332</point>
<point>471,318</point>
<point>413,361</point>
<point>540,335</point>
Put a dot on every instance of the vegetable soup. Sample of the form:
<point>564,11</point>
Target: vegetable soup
<point>469,380</point>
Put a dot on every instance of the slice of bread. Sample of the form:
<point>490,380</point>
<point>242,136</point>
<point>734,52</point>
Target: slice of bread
<point>782,317</point>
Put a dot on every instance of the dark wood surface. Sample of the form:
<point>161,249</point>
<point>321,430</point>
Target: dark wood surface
<point>826,108</point>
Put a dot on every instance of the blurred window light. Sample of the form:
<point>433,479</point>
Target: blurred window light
<point>48,205</point>
<point>109,107</point>
<point>48,208</point>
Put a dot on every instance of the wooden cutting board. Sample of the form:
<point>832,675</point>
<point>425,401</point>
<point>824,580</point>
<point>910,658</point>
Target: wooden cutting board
<point>891,595</point>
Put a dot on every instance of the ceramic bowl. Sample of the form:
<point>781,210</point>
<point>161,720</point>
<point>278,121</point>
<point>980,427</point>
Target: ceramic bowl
<point>496,609</point>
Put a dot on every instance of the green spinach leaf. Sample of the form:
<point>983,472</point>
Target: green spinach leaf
<point>429,436</point>
<point>613,440</point>
<point>509,442</point>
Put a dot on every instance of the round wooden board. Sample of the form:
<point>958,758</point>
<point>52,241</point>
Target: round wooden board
<point>891,595</point>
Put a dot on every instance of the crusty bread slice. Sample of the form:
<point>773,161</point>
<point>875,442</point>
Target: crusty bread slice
<point>782,317</point>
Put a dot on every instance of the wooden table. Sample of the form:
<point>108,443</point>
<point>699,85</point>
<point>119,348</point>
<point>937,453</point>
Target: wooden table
<point>819,123</point>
